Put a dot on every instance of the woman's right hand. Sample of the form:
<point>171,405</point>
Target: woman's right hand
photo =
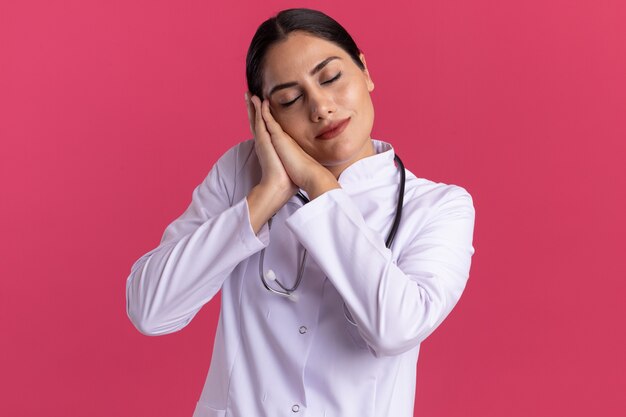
<point>275,188</point>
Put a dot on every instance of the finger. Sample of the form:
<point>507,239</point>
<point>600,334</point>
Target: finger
<point>259,126</point>
<point>281,141</point>
<point>250,110</point>
<point>272,125</point>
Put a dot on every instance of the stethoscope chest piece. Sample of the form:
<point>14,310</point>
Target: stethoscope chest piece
<point>281,282</point>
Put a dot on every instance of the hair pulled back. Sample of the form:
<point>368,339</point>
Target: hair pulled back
<point>278,28</point>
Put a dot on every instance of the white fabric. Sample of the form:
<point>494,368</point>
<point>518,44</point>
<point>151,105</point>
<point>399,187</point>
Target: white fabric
<point>277,357</point>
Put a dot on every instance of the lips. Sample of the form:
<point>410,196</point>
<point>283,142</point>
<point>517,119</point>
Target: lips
<point>333,129</point>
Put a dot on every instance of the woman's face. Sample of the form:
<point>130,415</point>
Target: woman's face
<point>312,84</point>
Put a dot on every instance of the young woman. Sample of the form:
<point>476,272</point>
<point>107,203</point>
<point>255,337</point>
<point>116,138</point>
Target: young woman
<point>334,261</point>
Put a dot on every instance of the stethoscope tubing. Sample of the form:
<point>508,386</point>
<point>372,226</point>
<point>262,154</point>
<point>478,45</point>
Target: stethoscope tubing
<point>288,292</point>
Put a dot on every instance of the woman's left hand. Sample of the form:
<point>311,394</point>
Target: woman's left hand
<point>303,170</point>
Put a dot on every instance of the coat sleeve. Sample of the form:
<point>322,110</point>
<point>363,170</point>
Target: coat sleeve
<point>395,304</point>
<point>168,285</point>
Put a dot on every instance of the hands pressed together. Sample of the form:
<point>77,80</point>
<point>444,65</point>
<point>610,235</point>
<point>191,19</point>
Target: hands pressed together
<point>285,166</point>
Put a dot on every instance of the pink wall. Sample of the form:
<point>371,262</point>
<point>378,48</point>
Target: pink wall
<point>111,112</point>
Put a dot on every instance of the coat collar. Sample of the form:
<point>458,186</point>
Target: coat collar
<point>378,166</point>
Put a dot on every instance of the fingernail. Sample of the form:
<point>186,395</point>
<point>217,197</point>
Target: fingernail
<point>245,96</point>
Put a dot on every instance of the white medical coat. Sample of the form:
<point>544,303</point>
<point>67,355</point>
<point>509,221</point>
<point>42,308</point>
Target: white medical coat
<point>277,357</point>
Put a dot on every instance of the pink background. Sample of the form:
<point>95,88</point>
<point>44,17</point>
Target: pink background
<point>111,112</point>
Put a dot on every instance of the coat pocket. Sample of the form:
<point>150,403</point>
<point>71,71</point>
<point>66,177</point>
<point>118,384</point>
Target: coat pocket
<point>203,410</point>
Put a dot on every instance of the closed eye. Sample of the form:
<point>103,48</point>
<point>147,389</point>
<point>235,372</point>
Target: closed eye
<point>335,78</point>
<point>290,102</point>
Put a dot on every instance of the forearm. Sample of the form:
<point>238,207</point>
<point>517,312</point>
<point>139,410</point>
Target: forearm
<point>169,285</point>
<point>265,200</point>
<point>321,185</point>
<point>395,306</point>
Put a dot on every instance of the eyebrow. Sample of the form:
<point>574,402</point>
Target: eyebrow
<point>314,71</point>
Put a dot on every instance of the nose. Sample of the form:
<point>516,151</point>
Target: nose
<point>321,104</point>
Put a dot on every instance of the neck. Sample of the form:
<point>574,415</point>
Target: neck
<point>368,150</point>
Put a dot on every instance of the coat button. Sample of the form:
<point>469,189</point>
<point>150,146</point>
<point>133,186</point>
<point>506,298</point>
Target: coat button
<point>302,329</point>
<point>295,408</point>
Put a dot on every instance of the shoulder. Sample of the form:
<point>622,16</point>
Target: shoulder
<point>234,161</point>
<point>236,156</point>
<point>423,194</point>
<point>237,170</point>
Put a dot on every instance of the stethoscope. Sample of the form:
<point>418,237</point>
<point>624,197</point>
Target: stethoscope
<point>289,292</point>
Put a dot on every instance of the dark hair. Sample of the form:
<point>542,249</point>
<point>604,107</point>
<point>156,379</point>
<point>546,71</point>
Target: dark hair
<point>277,28</point>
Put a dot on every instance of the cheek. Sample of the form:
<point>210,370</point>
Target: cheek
<point>292,124</point>
<point>284,119</point>
<point>354,97</point>
<point>358,100</point>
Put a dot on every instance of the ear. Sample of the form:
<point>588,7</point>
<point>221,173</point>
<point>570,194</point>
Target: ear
<point>368,78</point>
